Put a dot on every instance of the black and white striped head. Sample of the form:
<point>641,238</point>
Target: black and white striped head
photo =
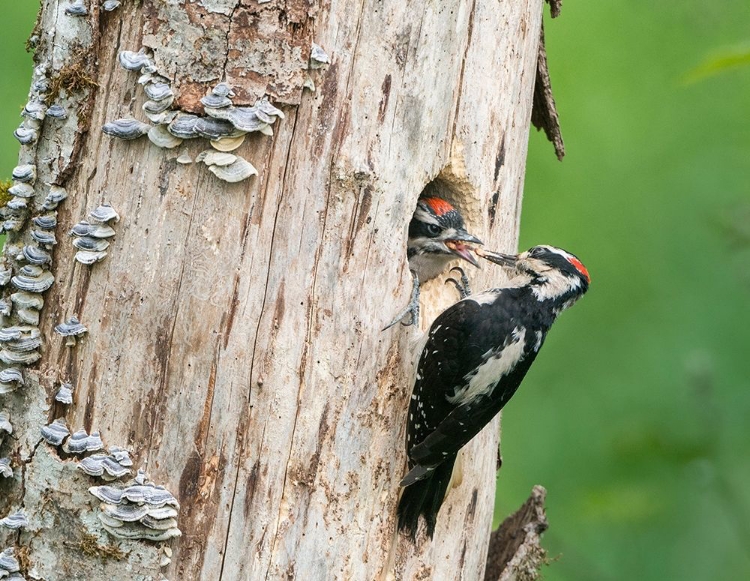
<point>552,272</point>
<point>438,230</point>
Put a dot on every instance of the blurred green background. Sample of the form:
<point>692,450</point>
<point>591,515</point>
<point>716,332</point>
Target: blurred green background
<point>636,416</point>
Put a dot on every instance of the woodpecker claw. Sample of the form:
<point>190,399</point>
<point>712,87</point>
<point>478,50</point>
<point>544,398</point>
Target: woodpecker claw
<point>411,309</point>
<point>463,287</point>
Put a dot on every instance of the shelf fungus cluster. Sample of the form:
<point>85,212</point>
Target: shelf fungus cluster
<point>224,126</point>
<point>28,256</point>
<point>36,110</point>
<point>71,330</point>
<point>64,394</point>
<point>80,442</point>
<point>142,511</point>
<point>91,237</point>
<point>9,566</point>
<point>56,432</point>
<point>16,210</point>
<point>15,521</point>
<point>20,345</point>
<point>116,464</point>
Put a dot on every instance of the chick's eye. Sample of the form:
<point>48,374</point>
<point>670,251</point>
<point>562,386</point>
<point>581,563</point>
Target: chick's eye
<point>433,229</point>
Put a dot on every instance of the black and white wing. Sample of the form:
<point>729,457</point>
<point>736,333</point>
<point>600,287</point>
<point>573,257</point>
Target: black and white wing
<point>476,355</point>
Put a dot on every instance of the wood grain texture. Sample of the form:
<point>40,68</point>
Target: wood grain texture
<point>234,340</point>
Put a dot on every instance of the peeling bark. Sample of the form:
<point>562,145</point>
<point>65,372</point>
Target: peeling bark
<point>555,6</point>
<point>515,550</point>
<point>544,112</point>
<point>234,343</point>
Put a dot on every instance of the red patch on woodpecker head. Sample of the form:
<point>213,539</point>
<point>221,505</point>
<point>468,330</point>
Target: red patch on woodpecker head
<point>438,205</point>
<point>580,268</point>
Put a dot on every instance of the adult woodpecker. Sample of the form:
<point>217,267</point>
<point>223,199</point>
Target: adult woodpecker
<point>476,355</point>
<point>437,235</point>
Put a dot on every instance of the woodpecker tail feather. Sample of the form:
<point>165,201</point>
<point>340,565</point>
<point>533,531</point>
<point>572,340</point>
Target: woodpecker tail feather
<point>425,497</point>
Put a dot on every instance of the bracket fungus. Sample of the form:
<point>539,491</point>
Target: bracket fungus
<point>19,344</point>
<point>224,125</point>
<point>84,228</point>
<point>57,111</point>
<point>80,442</point>
<point>15,521</point>
<point>220,96</point>
<point>33,278</point>
<point>136,61</point>
<point>71,328</point>
<point>318,57</point>
<point>90,237</point>
<point>5,470</point>
<point>141,511</point>
<point>8,562</point>
<point>64,394</point>
<point>126,128</point>
<point>46,221</point>
<point>161,137</point>
<point>55,195</point>
<point>77,8</point>
<point>104,213</point>
<point>10,379</point>
<point>34,254</point>
<point>26,133</point>
<point>25,173</point>
<point>227,143</point>
<point>91,244</point>
<point>34,109</point>
<point>237,171</point>
<point>110,466</point>
<point>43,237</point>
<point>55,432</point>
<point>21,190</point>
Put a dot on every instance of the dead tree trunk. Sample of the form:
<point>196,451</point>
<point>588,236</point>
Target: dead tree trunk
<point>233,341</point>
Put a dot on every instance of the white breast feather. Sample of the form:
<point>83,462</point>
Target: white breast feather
<point>490,372</point>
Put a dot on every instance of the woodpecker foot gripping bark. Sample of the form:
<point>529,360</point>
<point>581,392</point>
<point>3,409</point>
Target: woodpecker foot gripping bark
<point>463,287</point>
<point>412,308</point>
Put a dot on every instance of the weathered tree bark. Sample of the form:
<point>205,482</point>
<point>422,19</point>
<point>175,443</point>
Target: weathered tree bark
<point>234,344</point>
<point>515,550</point>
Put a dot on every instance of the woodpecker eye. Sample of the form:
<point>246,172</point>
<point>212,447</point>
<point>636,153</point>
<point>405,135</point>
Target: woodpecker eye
<point>535,252</point>
<point>433,229</point>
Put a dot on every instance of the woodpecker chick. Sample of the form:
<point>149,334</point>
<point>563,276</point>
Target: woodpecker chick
<point>476,355</point>
<point>437,235</point>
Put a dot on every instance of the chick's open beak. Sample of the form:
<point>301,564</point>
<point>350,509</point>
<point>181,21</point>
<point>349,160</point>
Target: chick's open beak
<point>497,257</point>
<point>458,247</point>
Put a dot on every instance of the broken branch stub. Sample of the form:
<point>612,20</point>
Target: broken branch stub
<point>515,550</point>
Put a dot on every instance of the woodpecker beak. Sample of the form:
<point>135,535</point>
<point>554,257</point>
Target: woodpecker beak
<point>498,258</point>
<point>457,246</point>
